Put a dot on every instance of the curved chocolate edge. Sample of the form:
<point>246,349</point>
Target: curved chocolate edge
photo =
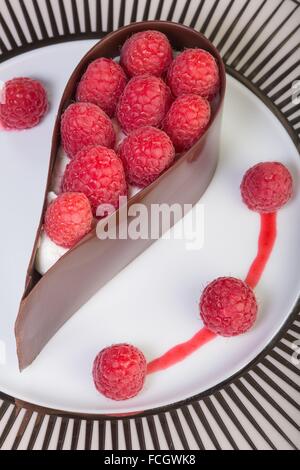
<point>48,302</point>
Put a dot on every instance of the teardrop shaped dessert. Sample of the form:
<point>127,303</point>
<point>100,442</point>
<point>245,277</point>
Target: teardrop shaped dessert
<point>50,300</point>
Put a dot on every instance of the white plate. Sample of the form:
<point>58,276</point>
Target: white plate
<point>153,303</point>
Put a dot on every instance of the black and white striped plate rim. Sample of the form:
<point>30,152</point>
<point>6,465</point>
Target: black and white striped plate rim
<point>260,407</point>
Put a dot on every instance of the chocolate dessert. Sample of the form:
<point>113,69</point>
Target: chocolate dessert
<point>51,299</point>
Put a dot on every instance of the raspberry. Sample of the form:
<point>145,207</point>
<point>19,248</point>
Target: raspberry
<point>148,52</point>
<point>85,124</point>
<point>187,121</point>
<point>102,84</point>
<point>24,103</point>
<point>228,307</point>
<point>146,153</point>
<point>145,101</point>
<point>68,219</point>
<point>267,187</point>
<point>194,71</point>
<point>119,371</point>
<point>98,173</point>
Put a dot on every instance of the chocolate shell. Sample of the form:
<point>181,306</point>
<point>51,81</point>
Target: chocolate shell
<point>49,301</point>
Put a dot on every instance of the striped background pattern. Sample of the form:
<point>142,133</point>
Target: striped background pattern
<point>260,407</point>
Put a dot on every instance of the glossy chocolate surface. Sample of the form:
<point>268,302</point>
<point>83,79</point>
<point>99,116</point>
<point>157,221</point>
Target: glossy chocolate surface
<point>49,301</point>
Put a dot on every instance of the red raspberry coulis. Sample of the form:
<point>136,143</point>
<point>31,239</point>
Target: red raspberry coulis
<point>266,242</point>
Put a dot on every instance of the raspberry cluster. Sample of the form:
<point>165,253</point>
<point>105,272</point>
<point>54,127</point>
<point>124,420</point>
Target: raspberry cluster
<point>136,92</point>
